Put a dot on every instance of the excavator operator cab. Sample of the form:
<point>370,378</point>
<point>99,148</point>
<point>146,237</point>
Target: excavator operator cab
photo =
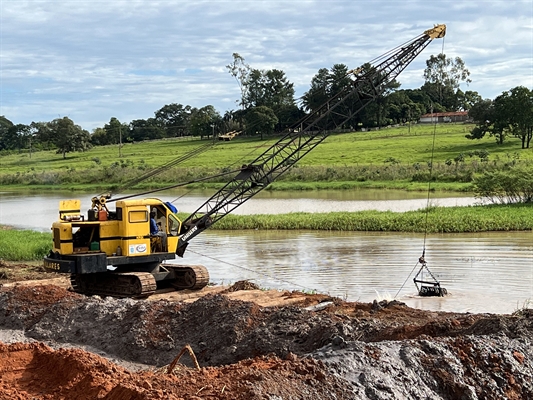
<point>165,221</point>
<point>165,225</point>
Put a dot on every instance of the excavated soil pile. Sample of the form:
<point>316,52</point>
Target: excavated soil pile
<point>321,348</point>
<point>35,371</point>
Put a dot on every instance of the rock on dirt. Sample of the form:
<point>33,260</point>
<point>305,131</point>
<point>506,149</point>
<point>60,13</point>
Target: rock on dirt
<point>305,347</point>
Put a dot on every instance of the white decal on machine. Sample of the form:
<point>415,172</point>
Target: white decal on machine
<point>137,248</point>
<point>188,234</point>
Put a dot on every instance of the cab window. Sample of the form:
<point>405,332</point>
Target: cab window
<point>173,225</point>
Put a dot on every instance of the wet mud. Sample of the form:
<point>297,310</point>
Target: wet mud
<point>58,344</point>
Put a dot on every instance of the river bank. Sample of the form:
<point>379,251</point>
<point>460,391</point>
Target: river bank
<point>407,185</point>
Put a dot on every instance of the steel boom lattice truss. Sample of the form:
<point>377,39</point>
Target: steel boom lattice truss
<point>368,83</point>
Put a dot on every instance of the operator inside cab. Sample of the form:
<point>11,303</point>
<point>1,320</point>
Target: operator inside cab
<point>154,228</point>
<point>158,242</point>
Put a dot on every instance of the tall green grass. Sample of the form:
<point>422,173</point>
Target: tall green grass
<point>516,217</point>
<point>455,176</point>
<point>24,245</point>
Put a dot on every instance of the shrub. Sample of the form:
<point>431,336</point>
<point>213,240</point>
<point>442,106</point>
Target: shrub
<point>512,186</point>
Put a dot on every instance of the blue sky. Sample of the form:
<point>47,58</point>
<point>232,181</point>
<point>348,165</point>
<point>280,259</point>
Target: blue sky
<point>93,60</point>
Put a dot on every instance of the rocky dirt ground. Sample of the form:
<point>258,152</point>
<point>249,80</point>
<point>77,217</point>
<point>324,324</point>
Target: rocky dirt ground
<point>252,344</point>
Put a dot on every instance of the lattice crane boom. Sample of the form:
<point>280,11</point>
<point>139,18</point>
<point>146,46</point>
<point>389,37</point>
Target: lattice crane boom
<point>368,82</point>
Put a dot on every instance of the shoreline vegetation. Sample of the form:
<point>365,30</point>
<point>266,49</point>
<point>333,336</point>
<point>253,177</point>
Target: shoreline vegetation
<point>303,186</point>
<point>25,245</point>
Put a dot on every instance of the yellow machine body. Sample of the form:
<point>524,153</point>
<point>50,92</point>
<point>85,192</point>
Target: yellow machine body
<point>124,232</point>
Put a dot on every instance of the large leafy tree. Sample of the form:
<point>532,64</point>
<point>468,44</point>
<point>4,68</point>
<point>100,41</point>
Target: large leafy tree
<point>255,89</point>
<point>279,97</point>
<point>490,118</point>
<point>420,98</point>
<point>174,119</point>
<point>17,136</point>
<point>279,92</point>
<point>68,136</point>
<point>339,81</point>
<point>288,116</point>
<point>401,108</point>
<point>466,100</point>
<point>443,76</point>
<point>99,137</point>
<point>482,113</point>
<point>115,131</point>
<point>319,91</point>
<point>5,125</point>
<point>145,129</point>
<point>406,105</point>
<point>260,120</point>
<point>518,107</point>
<point>324,86</point>
<point>269,88</point>
<point>43,134</point>
<point>509,113</point>
<point>443,98</point>
<point>205,121</point>
<point>327,84</point>
<point>373,114</point>
<point>446,71</point>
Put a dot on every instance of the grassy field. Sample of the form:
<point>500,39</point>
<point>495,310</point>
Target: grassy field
<point>343,160</point>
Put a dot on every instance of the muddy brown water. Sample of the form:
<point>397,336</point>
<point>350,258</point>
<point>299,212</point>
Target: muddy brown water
<point>488,272</point>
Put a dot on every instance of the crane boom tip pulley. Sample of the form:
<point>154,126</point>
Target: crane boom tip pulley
<point>437,32</point>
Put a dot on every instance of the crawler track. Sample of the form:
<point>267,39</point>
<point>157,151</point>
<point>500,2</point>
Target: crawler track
<point>138,284</point>
<point>120,284</point>
<point>193,277</point>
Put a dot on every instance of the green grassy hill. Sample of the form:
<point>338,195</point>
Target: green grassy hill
<point>396,154</point>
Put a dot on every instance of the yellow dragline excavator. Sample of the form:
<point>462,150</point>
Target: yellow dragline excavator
<point>111,252</point>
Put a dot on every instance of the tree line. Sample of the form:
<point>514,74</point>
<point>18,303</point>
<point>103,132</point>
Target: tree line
<point>268,105</point>
<point>509,114</point>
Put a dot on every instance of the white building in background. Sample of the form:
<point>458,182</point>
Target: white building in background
<point>440,117</point>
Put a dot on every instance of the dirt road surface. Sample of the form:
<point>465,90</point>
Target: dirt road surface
<point>248,343</point>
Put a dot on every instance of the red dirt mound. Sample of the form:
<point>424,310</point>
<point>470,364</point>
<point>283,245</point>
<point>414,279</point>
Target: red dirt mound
<point>36,371</point>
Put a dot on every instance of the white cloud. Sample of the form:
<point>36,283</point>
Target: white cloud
<point>93,60</point>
